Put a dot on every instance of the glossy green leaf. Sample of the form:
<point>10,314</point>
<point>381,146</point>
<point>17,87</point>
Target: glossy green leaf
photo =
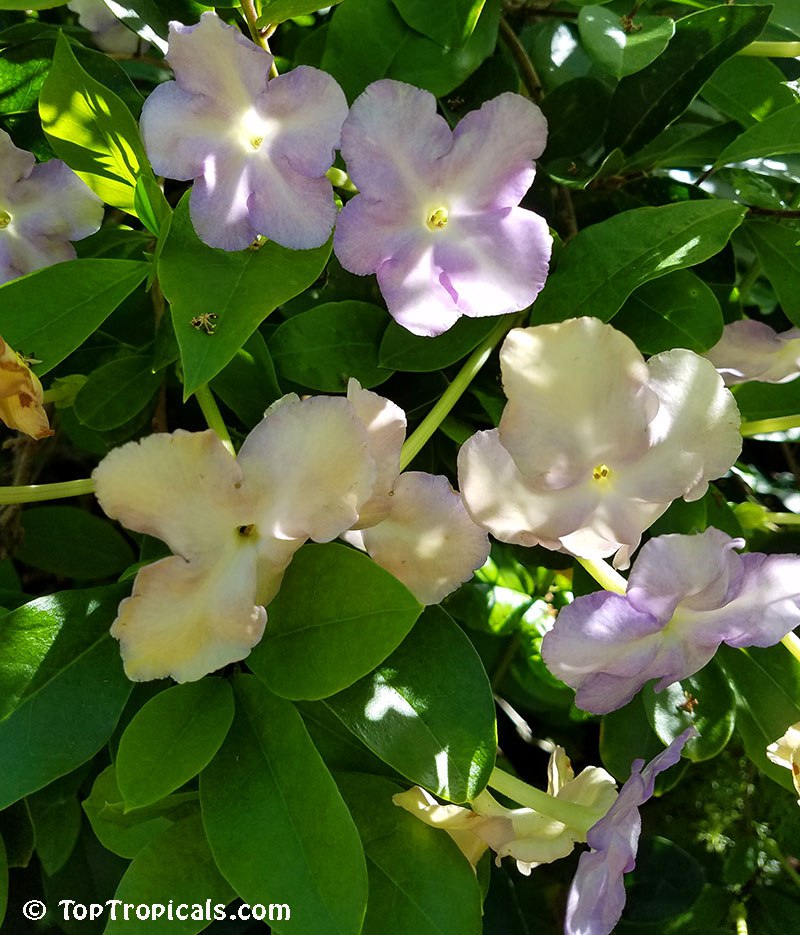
<point>776,135</point>
<point>277,11</point>
<point>603,265</point>
<point>767,687</point>
<point>685,144</point>
<point>650,100</point>
<point>768,400</point>
<point>277,825</point>
<point>70,542</point>
<point>785,13</point>
<point>748,89</point>
<point>56,815</point>
<point>448,22</point>
<point>176,867</point>
<point>623,45</point>
<point>171,738</point>
<point>337,615</point>
<point>626,735</point>
<point>704,701</point>
<point>92,130</point>
<point>3,882</point>
<point>241,288</point>
<point>69,684</point>
<point>777,250</point>
<point>668,881</point>
<point>325,346</point>
<point>576,112</point>
<point>17,832</point>
<point>248,384</point>
<point>402,350</point>
<point>428,711</point>
<point>126,831</point>
<point>679,310</point>
<point>419,881</point>
<point>116,392</point>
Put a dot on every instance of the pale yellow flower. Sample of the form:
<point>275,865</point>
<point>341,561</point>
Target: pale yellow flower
<point>21,395</point>
<point>786,752</point>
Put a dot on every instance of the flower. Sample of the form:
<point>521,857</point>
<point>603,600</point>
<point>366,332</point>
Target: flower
<point>108,33</point>
<point>685,596</point>
<point>42,207</point>
<point>527,835</point>
<point>235,523</point>
<point>21,395</point>
<point>751,350</point>
<point>594,443</point>
<point>597,895</point>
<point>786,752</point>
<point>438,218</point>
<point>257,150</point>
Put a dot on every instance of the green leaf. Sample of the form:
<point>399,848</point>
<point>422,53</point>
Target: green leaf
<point>576,112</point>
<point>150,18</point>
<point>650,100</point>
<point>623,45</point>
<point>276,822</point>
<point>419,881</point>
<point>448,22</point>
<point>748,89</point>
<point>248,384</point>
<point>176,866</point>
<point>126,831</point>
<point>241,288</point>
<point>31,4</point>
<point>325,346</point>
<point>337,615</point>
<point>428,711</point>
<point>776,135</point>
<point>604,263</point>
<point>64,304</point>
<point>402,350</point>
<point>704,701</point>
<point>92,130</point>
<point>16,830</point>
<point>758,401</point>
<point>668,882</point>
<point>116,392</point>
<point>678,310</point>
<point>70,686</point>
<point>3,881</point>
<point>777,250</point>
<point>70,542</point>
<point>278,11</point>
<point>626,735</point>
<point>767,687</point>
<point>172,738</point>
<point>56,815</point>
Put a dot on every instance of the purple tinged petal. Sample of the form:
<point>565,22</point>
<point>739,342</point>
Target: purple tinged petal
<point>367,236</point>
<point>289,208</point>
<point>751,350</point>
<point>179,131</point>
<point>767,606</point>
<point>219,202</point>
<point>15,163</point>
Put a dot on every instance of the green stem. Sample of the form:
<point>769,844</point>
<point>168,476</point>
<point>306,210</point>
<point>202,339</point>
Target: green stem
<point>33,493</point>
<point>604,574</point>
<point>505,661</point>
<point>777,853</point>
<point>259,35</point>
<point>340,179</point>
<point>782,519</point>
<point>764,426</point>
<point>792,643</point>
<point>213,416</point>
<point>530,79</point>
<point>772,49</point>
<point>748,281</point>
<point>579,817</point>
<point>416,441</point>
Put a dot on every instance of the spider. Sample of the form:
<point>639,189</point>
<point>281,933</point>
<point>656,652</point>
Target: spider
<point>206,322</point>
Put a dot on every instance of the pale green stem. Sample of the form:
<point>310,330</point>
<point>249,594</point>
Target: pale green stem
<point>748,281</point>
<point>792,643</point>
<point>340,179</point>
<point>579,817</point>
<point>259,35</point>
<point>32,493</point>
<point>604,574</point>
<point>772,49</point>
<point>741,920</point>
<point>782,519</point>
<point>213,416</point>
<point>777,853</point>
<point>764,426</point>
<point>58,393</point>
<point>416,441</point>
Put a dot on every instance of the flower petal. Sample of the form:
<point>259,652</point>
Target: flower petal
<point>428,540</point>
<point>181,487</point>
<point>751,350</point>
<point>289,208</point>
<point>767,606</point>
<point>220,201</point>
<point>15,163</point>
<point>308,467</point>
<point>366,236</point>
<point>55,204</point>
<point>184,621</point>
<point>21,396</point>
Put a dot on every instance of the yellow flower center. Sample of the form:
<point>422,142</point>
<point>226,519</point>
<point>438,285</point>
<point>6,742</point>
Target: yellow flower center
<point>246,531</point>
<point>256,141</point>
<point>437,219</point>
<point>601,472</point>
<point>5,219</point>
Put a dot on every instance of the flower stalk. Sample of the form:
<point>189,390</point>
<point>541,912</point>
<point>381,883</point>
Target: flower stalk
<point>579,817</point>
<point>34,493</point>
<point>213,416</point>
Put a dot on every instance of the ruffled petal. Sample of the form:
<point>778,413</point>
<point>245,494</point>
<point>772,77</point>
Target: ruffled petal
<point>367,235</point>
<point>55,204</point>
<point>491,162</point>
<point>386,431</point>
<point>214,59</point>
<point>220,201</point>
<point>428,540</point>
<point>307,466</point>
<point>494,264</point>
<point>767,605</point>
<point>183,488</point>
<point>185,620</point>
<point>392,141</point>
<point>577,398</point>
<point>751,350</point>
<point>15,164</point>
<point>289,208</point>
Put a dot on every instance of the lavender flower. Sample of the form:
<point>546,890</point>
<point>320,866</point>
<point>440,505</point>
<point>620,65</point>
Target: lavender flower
<point>597,896</point>
<point>685,596</point>
<point>751,350</point>
<point>42,208</point>
<point>437,217</point>
<point>257,150</point>
<point>108,33</point>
